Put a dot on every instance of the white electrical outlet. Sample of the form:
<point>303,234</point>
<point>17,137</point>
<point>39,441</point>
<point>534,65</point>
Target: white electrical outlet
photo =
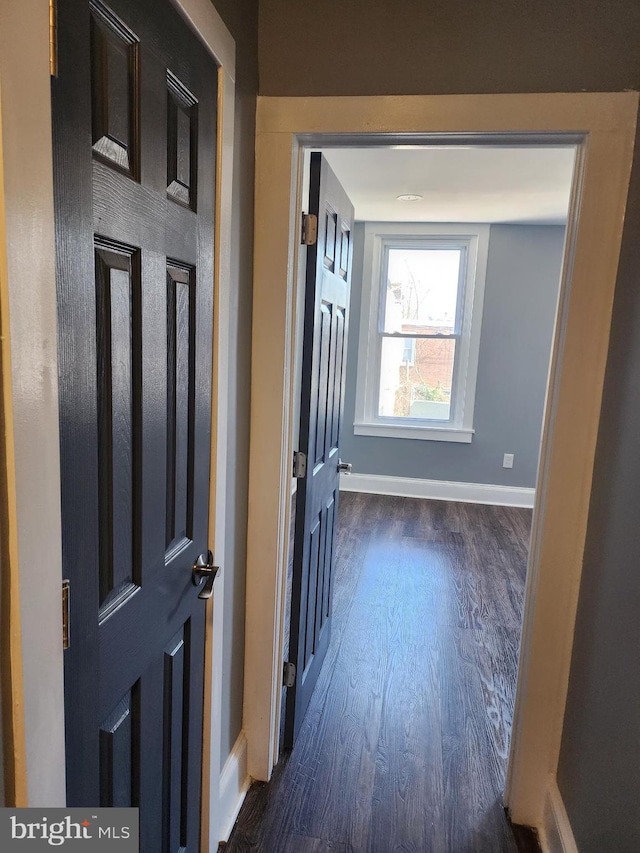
<point>507,460</point>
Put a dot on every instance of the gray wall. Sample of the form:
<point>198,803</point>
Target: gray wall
<point>599,772</point>
<point>375,47</point>
<point>410,46</point>
<point>241,17</point>
<point>523,276</point>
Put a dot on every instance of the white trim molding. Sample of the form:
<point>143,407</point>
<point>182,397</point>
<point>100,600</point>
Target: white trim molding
<point>431,433</point>
<point>602,126</point>
<point>29,303</point>
<point>438,490</point>
<point>234,784</point>
<point>555,833</point>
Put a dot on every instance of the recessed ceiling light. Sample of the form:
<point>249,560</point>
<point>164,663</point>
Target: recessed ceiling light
<point>409,197</point>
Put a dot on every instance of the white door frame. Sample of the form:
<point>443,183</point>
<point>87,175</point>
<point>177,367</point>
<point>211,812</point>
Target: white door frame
<point>604,127</point>
<point>31,483</point>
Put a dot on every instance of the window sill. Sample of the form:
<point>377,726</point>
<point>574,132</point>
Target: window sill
<point>422,433</point>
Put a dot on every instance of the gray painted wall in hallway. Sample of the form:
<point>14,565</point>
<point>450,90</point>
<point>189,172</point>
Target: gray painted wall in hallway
<point>407,47</point>
<point>599,769</point>
<point>523,275</point>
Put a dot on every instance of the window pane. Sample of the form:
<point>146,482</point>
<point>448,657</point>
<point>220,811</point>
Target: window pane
<point>422,290</point>
<point>415,378</point>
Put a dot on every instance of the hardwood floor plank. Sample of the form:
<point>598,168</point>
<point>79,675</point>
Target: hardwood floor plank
<point>405,742</point>
<point>306,844</point>
<point>497,661</point>
<point>408,788</point>
<point>340,753</point>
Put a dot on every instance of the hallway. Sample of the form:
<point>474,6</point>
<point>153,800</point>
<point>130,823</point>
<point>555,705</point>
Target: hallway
<point>405,743</point>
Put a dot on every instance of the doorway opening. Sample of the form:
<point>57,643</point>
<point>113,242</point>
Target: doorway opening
<point>472,555</point>
<point>602,127</point>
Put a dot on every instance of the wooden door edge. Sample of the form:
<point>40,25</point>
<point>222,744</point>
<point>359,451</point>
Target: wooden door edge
<point>11,680</point>
<point>208,26</point>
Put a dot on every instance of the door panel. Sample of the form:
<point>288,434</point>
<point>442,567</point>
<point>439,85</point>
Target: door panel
<point>114,89</point>
<point>322,395</point>
<point>116,752</point>
<point>180,403</point>
<point>118,328</point>
<point>134,145</point>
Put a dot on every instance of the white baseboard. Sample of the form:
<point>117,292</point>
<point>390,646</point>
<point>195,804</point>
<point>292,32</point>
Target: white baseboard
<point>439,490</point>
<point>555,834</point>
<point>234,784</point>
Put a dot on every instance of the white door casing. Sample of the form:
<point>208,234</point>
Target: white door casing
<point>603,127</point>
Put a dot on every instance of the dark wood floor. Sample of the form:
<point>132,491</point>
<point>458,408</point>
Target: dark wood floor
<point>405,742</point>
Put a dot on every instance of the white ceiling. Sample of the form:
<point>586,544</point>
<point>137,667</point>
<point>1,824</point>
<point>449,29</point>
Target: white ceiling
<point>457,183</point>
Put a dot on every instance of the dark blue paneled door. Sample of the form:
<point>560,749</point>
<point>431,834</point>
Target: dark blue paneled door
<point>134,108</point>
<point>328,277</point>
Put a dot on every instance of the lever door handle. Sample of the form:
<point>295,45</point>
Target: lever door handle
<point>204,570</point>
<point>344,467</point>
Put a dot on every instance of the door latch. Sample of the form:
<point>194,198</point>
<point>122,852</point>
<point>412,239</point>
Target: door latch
<point>204,570</point>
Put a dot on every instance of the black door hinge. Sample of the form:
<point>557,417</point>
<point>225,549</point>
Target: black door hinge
<point>289,674</point>
<point>53,39</point>
<point>309,234</point>
<point>65,613</point>
<point>299,464</point>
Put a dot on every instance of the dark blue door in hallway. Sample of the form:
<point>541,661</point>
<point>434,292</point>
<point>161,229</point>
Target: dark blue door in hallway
<point>135,121</point>
<point>328,275</point>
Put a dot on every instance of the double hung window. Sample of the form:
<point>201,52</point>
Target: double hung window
<point>423,287</point>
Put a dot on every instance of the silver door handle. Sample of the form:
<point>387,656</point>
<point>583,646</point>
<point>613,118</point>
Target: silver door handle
<point>344,467</point>
<point>204,570</point>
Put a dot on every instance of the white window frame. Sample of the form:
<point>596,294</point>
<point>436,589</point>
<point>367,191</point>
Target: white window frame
<point>378,238</point>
